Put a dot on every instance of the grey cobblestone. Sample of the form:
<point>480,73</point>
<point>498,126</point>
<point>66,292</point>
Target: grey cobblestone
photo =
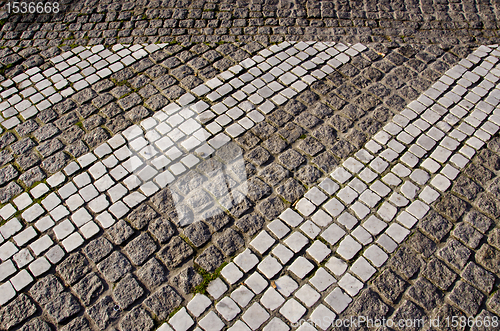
<point>362,84</point>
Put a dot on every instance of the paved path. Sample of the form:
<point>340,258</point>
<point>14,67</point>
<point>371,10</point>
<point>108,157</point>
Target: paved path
<point>102,22</point>
<point>216,168</point>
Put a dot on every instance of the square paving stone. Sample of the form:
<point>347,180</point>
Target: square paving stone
<point>242,296</point>
<point>163,301</point>
<point>296,241</point>
<point>119,232</point>
<point>276,325</point>
<point>405,262</point>
<point>323,315</point>
<point>467,298</point>
<point>307,295</point>
<point>467,234</point>
<point>198,233</point>
<point>282,253</point>
<point>285,285</point>
<point>334,207</point>
<point>141,216</point>
<point>231,273</point>
<point>425,294</point>
<point>239,326</point>
<point>310,229</point>
<point>211,322</point>
<point>127,291</point>
<point>333,234</point>
<point>136,320</point>
<point>152,273</point>
<point>175,252</point>
<point>89,288</point>
<point>291,217</point>
<point>376,255</point>
<point>437,272</point>
<point>478,277</point>
<point>348,248</point>
<point>478,220</point>
<point>408,310</point>
<point>98,249</point>
<point>210,259</point>
<point>198,304</point>
<point>216,288</point>
<point>301,267</point>
<point>228,308</point>
<point>103,312</point>
<point>161,229</point>
<point>246,260</point>
<point>269,266</point>
<point>455,254</point>
<point>494,302</point>
<point>187,280</point>
<point>362,269</point>
<point>181,321</point>
<point>45,289</point>
<point>63,306</point>
<point>318,251</point>
<point>292,310</point>
<point>322,280</point>
<point>350,284</point>
<point>73,268</point>
<point>140,248</point>
<point>255,316</point>
<point>262,242</point>
<point>230,241</point>
<point>278,228</point>
<point>321,218</point>
<point>114,266</point>
<point>271,299</point>
<point>435,225</point>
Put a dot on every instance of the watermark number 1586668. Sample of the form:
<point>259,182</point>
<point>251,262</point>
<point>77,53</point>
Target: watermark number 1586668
<point>32,7</point>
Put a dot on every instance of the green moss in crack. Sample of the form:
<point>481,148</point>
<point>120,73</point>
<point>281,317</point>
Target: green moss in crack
<point>285,201</point>
<point>323,241</point>
<point>207,277</point>
<point>186,239</point>
<point>8,66</point>
<point>117,83</point>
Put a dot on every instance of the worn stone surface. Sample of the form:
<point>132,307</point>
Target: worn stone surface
<point>45,289</point>
<point>103,312</point>
<point>127,291</point>
<point>163,301</point>
<point>17,311</point>
<point>73,268</point>
<point>62,306</point>
<point>89,288</point>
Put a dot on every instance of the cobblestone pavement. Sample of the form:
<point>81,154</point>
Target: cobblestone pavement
<point>94,22</point>
<point>250,166</point>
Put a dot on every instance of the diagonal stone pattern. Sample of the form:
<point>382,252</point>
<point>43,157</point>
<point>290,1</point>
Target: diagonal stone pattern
<point>456,128</point>
<point>64,230</point>
<point>142,315</point>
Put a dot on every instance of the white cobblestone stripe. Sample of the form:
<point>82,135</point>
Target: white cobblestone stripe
<point>101,187</point>
<point>353,221</point>
<point>35,90</point>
